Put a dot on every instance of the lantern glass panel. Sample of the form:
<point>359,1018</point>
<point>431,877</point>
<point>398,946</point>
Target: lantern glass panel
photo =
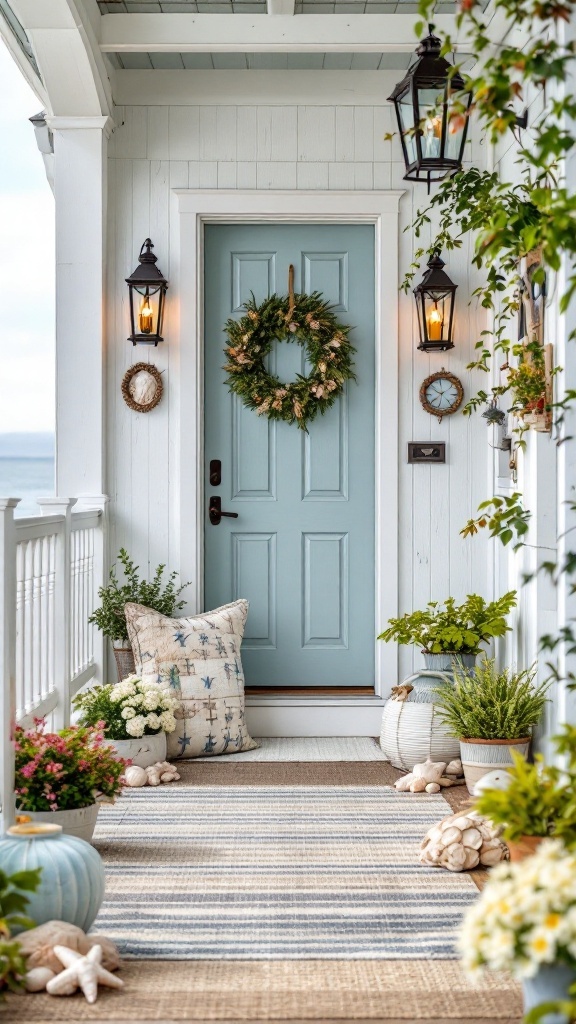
<point>406,117</point>
<point>455,137</point>
<point>437,313</point>
<point>431,111</point>
<point>147,309</point>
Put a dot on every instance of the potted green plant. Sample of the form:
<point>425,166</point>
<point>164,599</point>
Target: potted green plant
<point>60,776</point>
<point>539,800</point>
<point>450,632</point>
<point>135,717</point>
<point>110,618</point>
<point>490,711</point>
<point>529,384</point>
<point>13,903</point>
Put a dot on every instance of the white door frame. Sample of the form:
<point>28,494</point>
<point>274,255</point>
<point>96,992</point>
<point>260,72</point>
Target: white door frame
<point>191,210</point>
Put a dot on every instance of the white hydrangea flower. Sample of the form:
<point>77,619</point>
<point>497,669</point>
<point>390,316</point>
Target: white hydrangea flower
<point>151,699</point>
<point>122,690</point>
<point>128,713</point>
<point>167,721</point>
<point>153,721</point>
<point>135,726</point>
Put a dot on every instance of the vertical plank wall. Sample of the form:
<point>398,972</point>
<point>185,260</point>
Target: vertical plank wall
<point>157,148</point>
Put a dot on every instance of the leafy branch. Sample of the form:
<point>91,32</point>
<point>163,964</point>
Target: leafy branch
<point>504,516</point>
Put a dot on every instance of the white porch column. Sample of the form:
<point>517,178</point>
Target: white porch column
<point>80,173</point>
<point>7,657</point>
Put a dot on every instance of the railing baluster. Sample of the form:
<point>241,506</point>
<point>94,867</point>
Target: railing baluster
<point>7,656</point>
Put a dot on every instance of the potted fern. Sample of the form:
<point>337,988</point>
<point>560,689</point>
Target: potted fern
<point>452,632</point>
<point>491,711</point>
<point>110,617</point>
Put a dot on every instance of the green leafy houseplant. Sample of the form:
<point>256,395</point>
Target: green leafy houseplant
<point>453,628</point>
<point>64,770</point>
<point>13,902</point>
<point>540,799</point>
<point>110,618</point>
<point>489,704</point>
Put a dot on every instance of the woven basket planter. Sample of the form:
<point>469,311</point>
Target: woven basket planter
<point>482,756</point>
<point>125,665</point>
<point>411,728</point>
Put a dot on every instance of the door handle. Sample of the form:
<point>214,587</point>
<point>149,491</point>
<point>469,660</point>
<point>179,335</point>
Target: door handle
<point>215,512</point>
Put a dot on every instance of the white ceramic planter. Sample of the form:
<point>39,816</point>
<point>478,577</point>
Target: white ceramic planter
<point>412,730</point>
<point>79,821</point>
<point>143,752</point>
<point>482,756</point>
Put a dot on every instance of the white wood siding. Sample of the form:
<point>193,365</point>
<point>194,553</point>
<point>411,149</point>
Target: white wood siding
<point>155,149</point>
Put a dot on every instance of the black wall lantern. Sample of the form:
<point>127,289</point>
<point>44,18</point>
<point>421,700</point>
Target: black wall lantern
<point>147,287</point>
<point>431,122</point>
<point>435,297</point>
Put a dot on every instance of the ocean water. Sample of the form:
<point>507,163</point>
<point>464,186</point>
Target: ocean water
<point>26,478</point>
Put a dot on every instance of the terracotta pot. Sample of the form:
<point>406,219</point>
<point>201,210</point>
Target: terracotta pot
<point>524,847</point>
<point>124,662</point>
<point>482,756</point>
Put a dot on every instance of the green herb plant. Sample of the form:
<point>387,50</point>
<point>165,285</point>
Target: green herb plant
<point>13,903</point>
<point>453,628</point>
<point>491,704</point>
<point>540,799</point>
<point>162,597</point>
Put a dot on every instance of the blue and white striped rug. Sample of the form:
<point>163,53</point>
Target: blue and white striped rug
<point>276,873</point>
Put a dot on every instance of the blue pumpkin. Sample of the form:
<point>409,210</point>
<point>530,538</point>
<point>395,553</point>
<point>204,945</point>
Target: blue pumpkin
<point>72,882</point>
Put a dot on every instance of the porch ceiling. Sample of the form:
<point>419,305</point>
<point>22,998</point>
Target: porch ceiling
<point>261,7</point>
<point>260,61</point>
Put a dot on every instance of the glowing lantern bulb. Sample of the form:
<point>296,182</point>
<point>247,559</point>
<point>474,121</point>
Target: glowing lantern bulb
<point>435,324</point>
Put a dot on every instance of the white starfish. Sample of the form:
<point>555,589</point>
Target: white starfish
<point>85,972</point>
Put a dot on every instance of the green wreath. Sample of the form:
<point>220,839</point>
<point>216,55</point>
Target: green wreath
<point>310,322</point>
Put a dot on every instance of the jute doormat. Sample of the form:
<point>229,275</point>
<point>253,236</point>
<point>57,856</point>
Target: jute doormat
<point>283,991</point>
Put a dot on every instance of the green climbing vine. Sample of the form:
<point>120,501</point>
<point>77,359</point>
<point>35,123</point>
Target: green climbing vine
<point>533,56</point>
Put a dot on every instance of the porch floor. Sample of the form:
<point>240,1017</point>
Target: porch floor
<point>286,991</point>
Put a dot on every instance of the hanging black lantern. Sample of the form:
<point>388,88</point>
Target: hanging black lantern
<point>147,287</point>
<point>435,297</point>
<point>431,122</point>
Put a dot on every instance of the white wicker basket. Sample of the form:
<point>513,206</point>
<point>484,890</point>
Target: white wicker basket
<point>412,730</point>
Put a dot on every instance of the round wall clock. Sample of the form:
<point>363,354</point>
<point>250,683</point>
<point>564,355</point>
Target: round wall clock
<point>441,394</point>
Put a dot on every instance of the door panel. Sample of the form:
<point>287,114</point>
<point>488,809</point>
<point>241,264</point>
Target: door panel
<point>302,548</point>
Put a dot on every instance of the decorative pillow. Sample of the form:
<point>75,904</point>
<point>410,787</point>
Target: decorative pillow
<point>199,659</point>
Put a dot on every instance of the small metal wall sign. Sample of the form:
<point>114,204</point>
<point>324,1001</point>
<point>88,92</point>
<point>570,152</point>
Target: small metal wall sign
<point>426,451</point>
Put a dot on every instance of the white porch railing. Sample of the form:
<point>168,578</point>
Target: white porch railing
<point>51,566</point>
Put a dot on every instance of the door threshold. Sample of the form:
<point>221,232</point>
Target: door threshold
<point>310,691</point>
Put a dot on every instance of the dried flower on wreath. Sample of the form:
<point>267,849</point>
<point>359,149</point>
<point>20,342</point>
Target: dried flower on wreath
<point>307,320</point>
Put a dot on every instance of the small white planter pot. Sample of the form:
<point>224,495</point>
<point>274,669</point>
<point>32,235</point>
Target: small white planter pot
<point>482,756</point>
<point>143,752</point>
<point>79,821</point>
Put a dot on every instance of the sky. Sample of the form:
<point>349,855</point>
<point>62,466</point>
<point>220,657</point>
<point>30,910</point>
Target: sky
<point>26,262</point>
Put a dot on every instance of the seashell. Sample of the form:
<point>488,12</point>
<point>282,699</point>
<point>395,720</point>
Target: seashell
<point>403,784</point>
<point>471,838</point>
<point>472,859</point>
<point>432,787</point>
<point>418,786</point>
<point>37,979</point>
<point>135,776</point>
<point>454,857</point>
<point>451,835</point>
<point>462,823</point>
<point>455,767</point>
<point>490,857</point>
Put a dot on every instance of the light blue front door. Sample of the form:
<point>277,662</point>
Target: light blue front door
<point>302,547</point>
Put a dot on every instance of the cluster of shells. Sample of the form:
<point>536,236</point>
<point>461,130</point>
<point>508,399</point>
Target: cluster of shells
<point>461,842</point>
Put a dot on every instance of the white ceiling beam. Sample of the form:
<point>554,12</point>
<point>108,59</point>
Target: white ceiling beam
<point>248,33</point>
<point>285,7</point>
